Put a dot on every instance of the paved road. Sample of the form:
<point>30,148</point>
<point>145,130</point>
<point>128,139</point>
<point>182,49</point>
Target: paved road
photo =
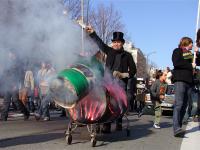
<point>16,134</point>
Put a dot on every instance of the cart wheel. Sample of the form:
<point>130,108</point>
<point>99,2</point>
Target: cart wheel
<point>128,132</point>
<point>68,139</point>
<point>93,141</point>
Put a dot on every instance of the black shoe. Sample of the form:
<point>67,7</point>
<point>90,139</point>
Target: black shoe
<point>179,133</point>
<point>105,131</point>
<point>118,127</point>
<point>63,115</point>
<point>97,128</point>
<point>4,118</point>
<point>32,107</point>
<point>26,116</point>
<point>106,128</point>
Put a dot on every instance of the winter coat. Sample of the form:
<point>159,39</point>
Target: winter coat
<point>183,70</point>
<point>157,89</point>
<point>13,75</point>
<point>117,60</point>
<point>29,82</point>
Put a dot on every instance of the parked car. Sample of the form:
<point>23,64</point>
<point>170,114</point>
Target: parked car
<point>167,103</point>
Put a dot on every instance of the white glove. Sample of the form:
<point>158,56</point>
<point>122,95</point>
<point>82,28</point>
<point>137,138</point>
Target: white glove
<point>120,75</point>
<point>193,65</point>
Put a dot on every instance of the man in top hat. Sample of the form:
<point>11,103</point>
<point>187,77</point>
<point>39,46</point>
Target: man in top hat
<point>119,63</point>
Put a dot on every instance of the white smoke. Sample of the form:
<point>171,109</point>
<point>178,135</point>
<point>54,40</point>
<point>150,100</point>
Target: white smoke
<point>38,30</point>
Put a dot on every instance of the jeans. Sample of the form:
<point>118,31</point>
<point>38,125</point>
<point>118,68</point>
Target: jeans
<point>182,91</point>
<point>190,103</point>
<point>44,106</point>
<point>198,105</point>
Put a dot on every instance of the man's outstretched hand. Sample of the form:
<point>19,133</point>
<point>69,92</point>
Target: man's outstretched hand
<point>89,29</point>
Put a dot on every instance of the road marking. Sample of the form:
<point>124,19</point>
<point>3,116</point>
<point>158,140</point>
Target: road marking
<point>192,137</point>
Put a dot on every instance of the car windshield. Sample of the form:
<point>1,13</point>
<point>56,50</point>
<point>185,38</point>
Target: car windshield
<point>170,89</point>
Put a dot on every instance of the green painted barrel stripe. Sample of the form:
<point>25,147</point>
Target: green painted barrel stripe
<point>77,79</point>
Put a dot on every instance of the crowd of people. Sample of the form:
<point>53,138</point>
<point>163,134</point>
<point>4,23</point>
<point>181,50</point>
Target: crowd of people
<point>26,84</point>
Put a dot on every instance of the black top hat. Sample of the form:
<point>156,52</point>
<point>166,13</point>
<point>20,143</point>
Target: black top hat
<point>118,36</point>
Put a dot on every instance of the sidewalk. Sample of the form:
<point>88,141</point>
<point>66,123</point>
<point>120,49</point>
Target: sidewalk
<point>192,136</point>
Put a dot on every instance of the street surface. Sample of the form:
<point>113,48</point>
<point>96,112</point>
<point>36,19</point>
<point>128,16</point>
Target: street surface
<point>16,134</point>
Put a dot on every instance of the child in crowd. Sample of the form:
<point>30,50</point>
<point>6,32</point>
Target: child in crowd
<point>158,90</point>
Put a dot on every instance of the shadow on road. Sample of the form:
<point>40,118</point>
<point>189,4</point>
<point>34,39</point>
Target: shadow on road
<point>29,139</point>
<point>137,131</point>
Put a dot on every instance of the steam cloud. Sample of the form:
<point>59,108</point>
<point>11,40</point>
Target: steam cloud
<point>38,30</point>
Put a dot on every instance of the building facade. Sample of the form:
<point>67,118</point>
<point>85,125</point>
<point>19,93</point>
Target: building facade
<point>139,58</point>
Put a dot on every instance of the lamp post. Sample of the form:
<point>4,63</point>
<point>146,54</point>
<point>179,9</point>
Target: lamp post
<point>147,62</point>
<point>82,20</point>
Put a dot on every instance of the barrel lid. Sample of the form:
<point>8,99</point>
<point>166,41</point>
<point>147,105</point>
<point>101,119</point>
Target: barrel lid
<point>76,78</point>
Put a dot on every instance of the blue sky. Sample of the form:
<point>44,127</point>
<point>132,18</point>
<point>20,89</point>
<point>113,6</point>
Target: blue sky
<point>157,25</point>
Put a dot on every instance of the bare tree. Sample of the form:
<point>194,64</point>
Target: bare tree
<point>73,8</point>
<point>106,20</point>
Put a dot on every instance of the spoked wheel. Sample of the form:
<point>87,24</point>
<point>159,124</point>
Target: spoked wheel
<point>93,141</point>
<point>68,139</point>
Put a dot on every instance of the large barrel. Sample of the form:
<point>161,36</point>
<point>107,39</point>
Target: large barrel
<point>101,104</point>
<point>91,108</point>
<point>72,84</point>
<point>88,99</point>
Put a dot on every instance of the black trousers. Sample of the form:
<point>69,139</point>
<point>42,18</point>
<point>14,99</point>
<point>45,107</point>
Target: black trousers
<point>8,96</point>
<point>107,126</point>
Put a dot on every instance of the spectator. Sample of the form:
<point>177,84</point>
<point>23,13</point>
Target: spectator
<point>47,72</point>
<point>157,91</point>
<point>169,76</point>
<point>29,86</point>
<point>12,79</point>
<point>182,59</point>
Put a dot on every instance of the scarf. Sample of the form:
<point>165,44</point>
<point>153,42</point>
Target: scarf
<point>116,62</point>
<point>187,54</point>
